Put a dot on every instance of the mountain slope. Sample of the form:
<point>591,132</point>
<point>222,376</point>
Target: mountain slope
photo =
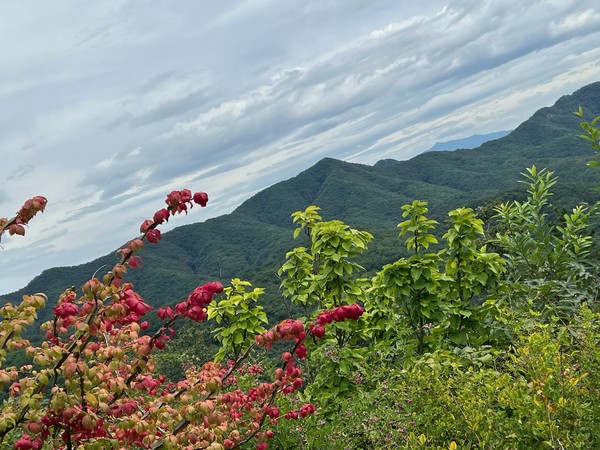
<point>251,242</point>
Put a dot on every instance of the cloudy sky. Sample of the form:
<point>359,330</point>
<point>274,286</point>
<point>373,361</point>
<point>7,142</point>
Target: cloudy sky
<point>106,106</point>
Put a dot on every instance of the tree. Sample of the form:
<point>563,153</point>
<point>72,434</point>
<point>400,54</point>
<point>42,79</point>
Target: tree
<point>92,383</point>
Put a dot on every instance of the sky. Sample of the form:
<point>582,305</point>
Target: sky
<point>107,106</point>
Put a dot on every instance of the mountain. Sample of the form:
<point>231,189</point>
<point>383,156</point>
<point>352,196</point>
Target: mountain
<point>251,242</point>
<point>469,142</point>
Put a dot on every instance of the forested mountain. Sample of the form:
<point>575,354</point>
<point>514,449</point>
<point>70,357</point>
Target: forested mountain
<point>444,344</point>
<point>251,242</point>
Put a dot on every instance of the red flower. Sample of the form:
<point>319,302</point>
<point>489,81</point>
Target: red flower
<point>153,236</point>
<point>318,331</point>
<point>146,225</point>
<point>65,310</point>
<point>165,312</point>
<point>201,198</point>
<point>185,195</point>
<point>301,351</point>
<point>134,262</point>
<point>161,215</point>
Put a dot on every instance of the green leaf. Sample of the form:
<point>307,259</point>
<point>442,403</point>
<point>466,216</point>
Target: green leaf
<point>238,338</point>
<point>342,326</point>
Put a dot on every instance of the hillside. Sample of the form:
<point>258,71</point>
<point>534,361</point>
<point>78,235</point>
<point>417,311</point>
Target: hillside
<point>250,243</point>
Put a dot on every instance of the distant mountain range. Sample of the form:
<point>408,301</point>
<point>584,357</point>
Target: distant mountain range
<point>469,142</point>
<point>251,242</point>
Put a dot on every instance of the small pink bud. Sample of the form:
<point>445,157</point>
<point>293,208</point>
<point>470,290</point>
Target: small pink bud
<point>153,236</point>
<point>161,215</point>
<point>201,198</point>
<point>146,225</point>
<point>185,195</point>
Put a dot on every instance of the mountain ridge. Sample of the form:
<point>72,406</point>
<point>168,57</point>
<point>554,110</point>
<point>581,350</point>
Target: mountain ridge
<point>472,141</point>
<point>251,242</point>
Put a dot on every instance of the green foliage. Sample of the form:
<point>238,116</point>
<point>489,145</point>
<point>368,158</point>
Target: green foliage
<point>541,393</point>
<point>418,225</point>
<point>432,303</point>
<point>334,373</point>
<point>323,275</point>
<point>469,271</point>
<point>592,134</point>
<point>297,283</point>
<point>193,346</point>
<point>240,322</point>
<point>414,284</point>
<point>306,219</point>
<point>549,264</point>
<point>443,386</point>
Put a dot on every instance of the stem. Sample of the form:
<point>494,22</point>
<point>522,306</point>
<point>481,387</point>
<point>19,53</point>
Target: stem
<point>70,350</point>
<point>270,402</point>
<point>185,422</point>
<point>6,339</point>
<point>144,358</point>
<point>420,336</point>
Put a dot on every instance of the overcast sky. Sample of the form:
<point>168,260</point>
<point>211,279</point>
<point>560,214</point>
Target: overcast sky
<point>107,106</point>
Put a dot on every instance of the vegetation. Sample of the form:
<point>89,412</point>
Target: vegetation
<point>485,335</point>
<point>472,349</point>
<point>92,383</point>
<point>250,242</point>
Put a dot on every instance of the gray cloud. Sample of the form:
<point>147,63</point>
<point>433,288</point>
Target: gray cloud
<point>20,171</point>
<point>113,104</point>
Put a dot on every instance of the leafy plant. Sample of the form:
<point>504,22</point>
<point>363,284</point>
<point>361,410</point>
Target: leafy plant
<point>549,264</point>
<point>93,384</point>
<point>240,322</point>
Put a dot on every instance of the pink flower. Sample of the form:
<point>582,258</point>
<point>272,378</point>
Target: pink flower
<point>181,308</point>
<point>25,443</point>
<point>161,215</point>
<point>185,195</point>
<point>201,198</point>
<point>301,351</point>
<point>165,312</point>
<point>214,287</point>
<point>318,331</point>
<point>153,236</point>
<point>16,229</point>
<point>65,310</point>
<point>146,225</point>
<point>173,199</point>
<point>134,262</point>
<point>196,313</point>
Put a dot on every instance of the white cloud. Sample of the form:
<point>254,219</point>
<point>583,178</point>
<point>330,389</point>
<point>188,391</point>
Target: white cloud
<point>119,100</point>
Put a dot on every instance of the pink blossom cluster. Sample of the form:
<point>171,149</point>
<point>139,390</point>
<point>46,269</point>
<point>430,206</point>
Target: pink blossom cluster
<point>195,305</point>
<point>135,306</point>
<point>288,329</point>
<point>305,410</point>
<point>177,202</point>
<point>29,209</point>
<point>66,308</point>
<point>339,314</point>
